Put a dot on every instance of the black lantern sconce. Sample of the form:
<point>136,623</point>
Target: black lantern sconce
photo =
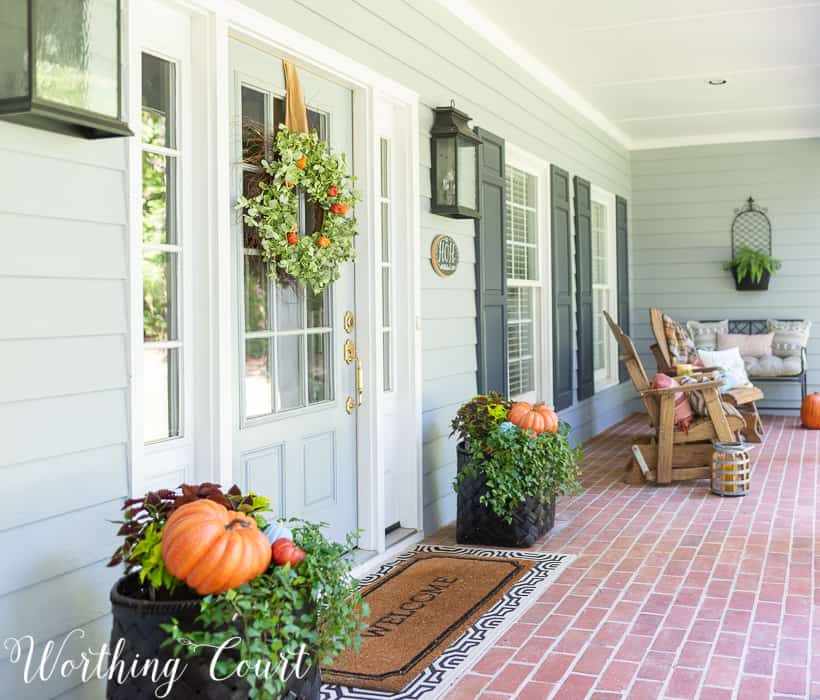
<point>454,165</point>
<point>61,66</point>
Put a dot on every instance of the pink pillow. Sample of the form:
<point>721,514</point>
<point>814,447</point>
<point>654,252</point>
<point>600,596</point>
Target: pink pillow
<point>757,345</point>
<point>683,411</point>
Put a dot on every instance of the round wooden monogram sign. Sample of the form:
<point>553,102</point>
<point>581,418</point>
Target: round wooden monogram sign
<point>444,255</point>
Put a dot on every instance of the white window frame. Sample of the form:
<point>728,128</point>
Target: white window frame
<point>608,377</point>
<point>387,375</point>
<point>521,159</point>
<point>178,154</point>
<point>155,28</point>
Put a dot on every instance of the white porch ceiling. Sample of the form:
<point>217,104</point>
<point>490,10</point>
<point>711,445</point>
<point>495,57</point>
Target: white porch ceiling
<point>640,68</point>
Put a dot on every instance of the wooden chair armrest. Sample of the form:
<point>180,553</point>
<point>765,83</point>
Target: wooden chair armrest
<point>698,386</point>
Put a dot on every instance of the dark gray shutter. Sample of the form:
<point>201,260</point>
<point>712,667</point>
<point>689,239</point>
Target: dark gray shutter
<point>621,239</point>
<point>583,289</point>
<point>561,254</point>
<point>491,281</point>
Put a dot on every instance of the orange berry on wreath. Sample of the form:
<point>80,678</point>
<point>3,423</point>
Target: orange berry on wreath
<point>323,241</point>
<point>301,163</point>
<point>332,191</point>
<point>293,238</point>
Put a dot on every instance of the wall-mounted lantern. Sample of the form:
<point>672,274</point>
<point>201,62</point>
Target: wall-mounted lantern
<point>454,168</point>
<point>61,66</point>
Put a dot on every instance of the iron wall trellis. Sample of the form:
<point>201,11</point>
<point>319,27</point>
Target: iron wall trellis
<point>751,227</point>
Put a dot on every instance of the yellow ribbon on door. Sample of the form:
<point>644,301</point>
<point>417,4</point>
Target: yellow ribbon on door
<point>296,114</point>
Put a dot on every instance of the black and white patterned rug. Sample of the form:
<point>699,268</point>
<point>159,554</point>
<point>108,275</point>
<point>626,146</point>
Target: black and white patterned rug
<point>463,653</point>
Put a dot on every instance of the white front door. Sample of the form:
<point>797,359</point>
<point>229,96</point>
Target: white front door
<point>295,437</point>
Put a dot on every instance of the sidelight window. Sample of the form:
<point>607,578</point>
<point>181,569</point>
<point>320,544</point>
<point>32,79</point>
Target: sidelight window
<point>161,252</point>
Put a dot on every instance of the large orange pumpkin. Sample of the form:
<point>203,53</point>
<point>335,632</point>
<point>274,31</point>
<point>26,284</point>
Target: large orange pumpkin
<point>810,412</point>
<point>213,549</point>
<point>537,418</point>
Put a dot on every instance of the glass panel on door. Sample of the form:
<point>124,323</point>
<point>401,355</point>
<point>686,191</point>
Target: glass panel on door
<point>288,330</point>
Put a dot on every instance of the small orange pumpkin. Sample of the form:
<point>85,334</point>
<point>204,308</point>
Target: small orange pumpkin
<point>810,412</point>
<point>213,549</point>
<point>537,418</point>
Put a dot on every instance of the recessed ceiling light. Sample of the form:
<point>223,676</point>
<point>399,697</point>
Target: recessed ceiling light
<point>716,81</point>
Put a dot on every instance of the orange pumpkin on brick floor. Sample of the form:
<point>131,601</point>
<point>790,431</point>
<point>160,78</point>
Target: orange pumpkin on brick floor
<point>535,417</point>
<point>213,549</point>
<point>810,412</point>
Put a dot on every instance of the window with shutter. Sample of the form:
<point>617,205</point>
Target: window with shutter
<point>491,286</point>
<point>622,241</point>
<point>604,286</point>
<point>523,284</point>
<point>561,257</point>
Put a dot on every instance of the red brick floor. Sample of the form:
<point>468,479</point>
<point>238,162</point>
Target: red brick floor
<point>675,592</point>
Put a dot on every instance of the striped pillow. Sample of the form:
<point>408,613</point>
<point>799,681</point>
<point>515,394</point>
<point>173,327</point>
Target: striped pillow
<point>790,337</point>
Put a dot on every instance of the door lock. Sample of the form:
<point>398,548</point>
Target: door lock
<point>350,351</point>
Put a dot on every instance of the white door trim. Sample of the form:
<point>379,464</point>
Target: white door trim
<point>215,21</point>
<point>168,458</point>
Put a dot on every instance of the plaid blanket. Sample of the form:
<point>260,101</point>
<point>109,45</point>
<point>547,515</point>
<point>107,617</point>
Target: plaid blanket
<point>698,403</point>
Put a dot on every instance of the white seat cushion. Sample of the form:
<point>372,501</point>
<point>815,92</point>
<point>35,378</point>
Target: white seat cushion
<point>772,366</point>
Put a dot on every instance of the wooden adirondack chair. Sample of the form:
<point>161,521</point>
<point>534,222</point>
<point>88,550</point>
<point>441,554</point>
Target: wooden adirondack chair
<point>744,398</point>
<point>675,454</point>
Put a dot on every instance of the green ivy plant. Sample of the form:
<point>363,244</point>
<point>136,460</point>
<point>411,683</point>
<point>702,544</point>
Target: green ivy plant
<point>515,464</point>
<point>752,263</point>
<point>303,163</point>
<point>316,607</point>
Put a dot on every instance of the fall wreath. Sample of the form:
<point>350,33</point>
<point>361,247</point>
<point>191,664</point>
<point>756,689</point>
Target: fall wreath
<point>302,162</point>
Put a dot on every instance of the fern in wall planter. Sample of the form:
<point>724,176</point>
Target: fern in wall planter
<point>752,269</point>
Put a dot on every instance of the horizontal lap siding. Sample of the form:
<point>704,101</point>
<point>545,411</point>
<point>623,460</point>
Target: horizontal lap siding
<point>422,46</point>
<point>63,386</point>
<point>684,202</point>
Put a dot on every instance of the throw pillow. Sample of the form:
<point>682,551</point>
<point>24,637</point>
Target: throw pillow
<point>790,337</point>
<point>755,345</point>
<point>681,347</point>
<point>704,333</point>
<point>730,362</point>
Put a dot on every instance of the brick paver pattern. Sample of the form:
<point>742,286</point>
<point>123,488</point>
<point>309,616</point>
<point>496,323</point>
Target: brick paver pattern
<point>675,592</point>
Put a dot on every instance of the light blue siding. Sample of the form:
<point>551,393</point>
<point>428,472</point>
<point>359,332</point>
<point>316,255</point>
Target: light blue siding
<point>684,202</point>
<point>63,384</point>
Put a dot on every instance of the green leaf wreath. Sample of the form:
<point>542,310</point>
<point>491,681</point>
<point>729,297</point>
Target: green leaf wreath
<point>304,162</point>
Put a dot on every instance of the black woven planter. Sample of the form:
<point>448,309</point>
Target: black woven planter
<point>137,621</point>
<point>477,524</point>
<point>747,285</point>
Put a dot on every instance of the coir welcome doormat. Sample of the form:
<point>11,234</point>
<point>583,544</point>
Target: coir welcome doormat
<point>433,612</point>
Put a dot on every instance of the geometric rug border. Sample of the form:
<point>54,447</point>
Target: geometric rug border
<point>458,658</point>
